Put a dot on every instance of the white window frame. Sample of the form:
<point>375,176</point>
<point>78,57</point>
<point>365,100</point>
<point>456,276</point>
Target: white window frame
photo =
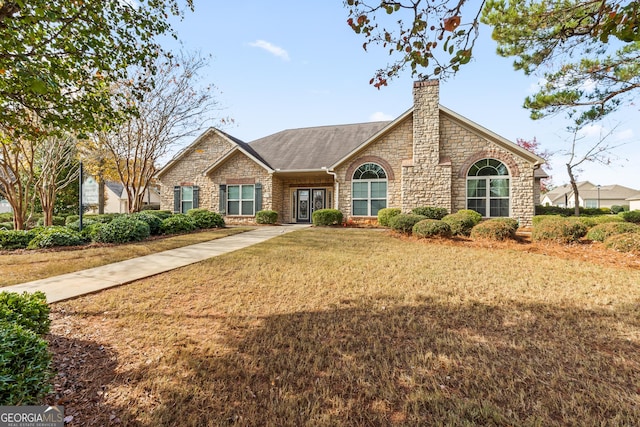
<point>488,197</point>
<point>241,200</point>
<point>369,199</point>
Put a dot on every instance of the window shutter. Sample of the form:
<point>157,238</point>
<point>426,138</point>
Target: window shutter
<point>222,203</point>
<point>176,199</point>
<point>196,197</point>
<point>258,189</point>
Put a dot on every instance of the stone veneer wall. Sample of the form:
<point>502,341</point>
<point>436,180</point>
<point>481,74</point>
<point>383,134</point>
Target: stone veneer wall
<point>393,148</point>
<point>426,181</point>
<point>189,170</point>
<point>240,169</point>
<point>464,147</point>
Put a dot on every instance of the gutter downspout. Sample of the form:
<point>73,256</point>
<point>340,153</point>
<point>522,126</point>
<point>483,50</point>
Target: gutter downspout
<point>336,197</point>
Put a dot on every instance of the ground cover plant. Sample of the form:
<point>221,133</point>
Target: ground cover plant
<point>25,266</point>
<point>340,326</point>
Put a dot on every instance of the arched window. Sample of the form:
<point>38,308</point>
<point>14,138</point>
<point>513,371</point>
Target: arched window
<point>368,190</point>
<point>488,188</point>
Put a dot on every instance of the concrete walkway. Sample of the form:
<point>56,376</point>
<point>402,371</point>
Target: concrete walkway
<point>83,282</point>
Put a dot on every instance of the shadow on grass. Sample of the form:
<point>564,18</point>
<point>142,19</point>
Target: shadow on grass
<point>377,362</point>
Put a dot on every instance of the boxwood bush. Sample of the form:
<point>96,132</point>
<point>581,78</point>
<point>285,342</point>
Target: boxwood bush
<point>204,218</point>
<point>404,223</point>
<point>178,223</point>
<point>16,239</point>
<point>626,242</point>
<point>153,221</point>
<point>122,229</point>
<point>29,310</point>
<point>385,215</point>
<point>56,235</point>
<point>462,221</point>
<point>631,216</point>
<point>6,225</point>
<point>495,229</point>
<point>266,217</point>
<point>57,220</point>
<point>25,361</point>
<point>161,214</point>
<point>325,217</point>
<point>561,230</point>
<point>601,232</point>
<point>430,212</point>
<point>431,228</point>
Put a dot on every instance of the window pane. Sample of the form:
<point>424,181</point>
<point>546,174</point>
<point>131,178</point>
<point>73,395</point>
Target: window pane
<point>233,192</point>
<point>499,188</point>
<point>186,205</point>
<point>376,205</point>
<point>247,207</point>
<point>590,203</point>
<point>499,207</point>
<point>361,190</point>
<point>476,188</point>
<point>187,193</point>
<point>379,190</point>
<point>247,192</point>
<point>234,208</point>
<point>360,207</point>
<point>478,205</point>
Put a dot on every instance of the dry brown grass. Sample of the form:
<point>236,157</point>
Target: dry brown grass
<point>27,265</point>
<point>330,327</point>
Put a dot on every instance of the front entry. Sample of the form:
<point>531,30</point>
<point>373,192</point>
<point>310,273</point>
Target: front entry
<point>308,201</point>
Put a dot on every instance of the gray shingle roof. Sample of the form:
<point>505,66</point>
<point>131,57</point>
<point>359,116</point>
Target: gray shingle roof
<point>312,148</point>
<point>614,192</point>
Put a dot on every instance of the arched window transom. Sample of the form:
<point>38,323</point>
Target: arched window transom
<point>368,190</point>
<point>488,188</point>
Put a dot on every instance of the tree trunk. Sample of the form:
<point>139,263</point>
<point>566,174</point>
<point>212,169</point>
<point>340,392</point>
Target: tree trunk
<point>100,194</point>
<point>574,186</point>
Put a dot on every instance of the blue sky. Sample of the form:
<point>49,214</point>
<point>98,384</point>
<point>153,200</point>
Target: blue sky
<point>290,64</point>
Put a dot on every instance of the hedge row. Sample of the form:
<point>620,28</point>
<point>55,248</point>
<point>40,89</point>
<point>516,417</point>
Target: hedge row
<point>110,228</point>
<point>25,361</point>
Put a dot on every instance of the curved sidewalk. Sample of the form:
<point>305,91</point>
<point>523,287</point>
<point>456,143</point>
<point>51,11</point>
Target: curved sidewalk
<point>71,285</point>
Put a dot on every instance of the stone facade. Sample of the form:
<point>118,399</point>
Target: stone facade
<point>426,154</point>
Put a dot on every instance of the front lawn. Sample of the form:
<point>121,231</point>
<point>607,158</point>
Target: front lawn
<point>330,327</point>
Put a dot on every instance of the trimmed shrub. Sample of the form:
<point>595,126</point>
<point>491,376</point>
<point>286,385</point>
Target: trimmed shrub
<point>430,212</point>
<point>616,209</point>
<point>75,225</point>
<point>462,221</point>
<point>72,218</point>
<point>539,218</point>
<point>325,217</point>
<point>6,217</point>
<point>161,214</point>
<point>204,218</point>
<point>178,223</point>
<point>266,217</point>
<point>29,310</point>
<point>15,239</point>
<point>55,235</point>
<point>25,362</point>
<point>563,230</point>
<point>57,220</point>
<point>631,216</point>
<point>495,229</point>
<point>431,228</point>
<point>6,225</point>
<point>404,223</point>
<point>385,215</point>
<point>601,232</point>
<point>626,242</point>
<point>122,229</point>
<point>153,221</point>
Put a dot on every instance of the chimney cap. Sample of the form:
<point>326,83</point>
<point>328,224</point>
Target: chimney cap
<point>423,83</point>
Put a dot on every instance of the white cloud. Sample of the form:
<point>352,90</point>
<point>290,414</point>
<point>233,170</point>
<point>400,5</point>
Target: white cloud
<point>272,49</point>
<point>379,116</point>
<point>624,135</point>
<point>592,131</point>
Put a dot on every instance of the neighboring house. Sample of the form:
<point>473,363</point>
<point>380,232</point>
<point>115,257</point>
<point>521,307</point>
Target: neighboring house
<point>5,207</point>
<point>429,156</point>
<point>590,196</point>
<point>559,196</point>
<point>634,202</point>
<point>116,201</point>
